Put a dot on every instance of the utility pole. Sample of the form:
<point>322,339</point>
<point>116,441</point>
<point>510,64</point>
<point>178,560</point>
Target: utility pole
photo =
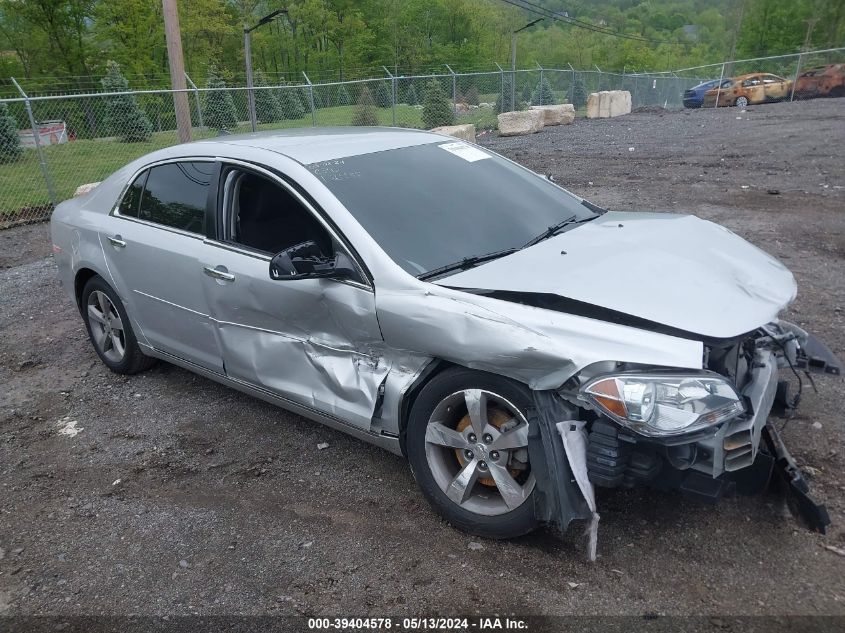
<point>513,60</point>
<point>737,29</point>
<point>177,69</point>
<point>250,93</point>
<point>811,24</point>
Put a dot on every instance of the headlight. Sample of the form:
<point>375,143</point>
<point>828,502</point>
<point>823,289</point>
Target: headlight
<point>654,404</point>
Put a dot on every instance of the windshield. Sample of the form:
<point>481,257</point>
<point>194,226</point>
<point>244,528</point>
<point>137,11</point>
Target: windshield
<point>432,205</point>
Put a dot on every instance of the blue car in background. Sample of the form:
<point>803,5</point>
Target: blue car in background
<point>694,97</point>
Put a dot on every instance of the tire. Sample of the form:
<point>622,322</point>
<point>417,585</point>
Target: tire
<point>742,102</point>
<point>485,510</point>
<point>112,335</point>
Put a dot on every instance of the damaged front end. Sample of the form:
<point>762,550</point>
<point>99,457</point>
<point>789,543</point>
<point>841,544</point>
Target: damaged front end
<point>705,433</point>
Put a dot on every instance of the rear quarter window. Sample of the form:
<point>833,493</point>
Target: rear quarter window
<point>132,198</point>
<point>175,195</point>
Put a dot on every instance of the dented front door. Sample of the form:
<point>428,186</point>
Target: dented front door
<point>312,341</point>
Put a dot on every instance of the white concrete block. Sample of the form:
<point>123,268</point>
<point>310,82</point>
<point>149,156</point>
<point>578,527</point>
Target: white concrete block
<point>517,123</point>
<point>465,132</point>
<point>561,114</point>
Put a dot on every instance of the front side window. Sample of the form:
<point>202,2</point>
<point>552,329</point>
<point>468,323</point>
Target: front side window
<point>175,195</point>
<point>266,217</point>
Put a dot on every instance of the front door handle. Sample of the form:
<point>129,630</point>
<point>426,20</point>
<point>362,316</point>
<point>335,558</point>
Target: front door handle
<point>117,242</point>
<point>216,273</point>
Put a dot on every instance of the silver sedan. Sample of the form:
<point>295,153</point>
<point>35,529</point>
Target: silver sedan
<point>438,300</point>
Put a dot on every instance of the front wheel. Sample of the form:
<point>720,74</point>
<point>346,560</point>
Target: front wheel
<point>467,444</point>
<point>742,102</point>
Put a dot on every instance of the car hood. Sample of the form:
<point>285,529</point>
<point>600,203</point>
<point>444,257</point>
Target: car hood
<point>675,270</point>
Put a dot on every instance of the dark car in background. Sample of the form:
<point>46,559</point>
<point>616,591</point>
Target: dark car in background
<point>824,81</point>
<point>694,97</point>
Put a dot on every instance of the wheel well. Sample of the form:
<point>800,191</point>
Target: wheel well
<point>83,275</point>
<point>435,367</point>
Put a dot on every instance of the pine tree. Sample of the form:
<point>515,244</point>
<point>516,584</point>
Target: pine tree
<point>10,142</point>
<point>365,111</point>
<point>343,98</point>
<point>384,98</point>
<point>437,111</point>
<point>267,106</point>
<point>411,97</point>
<point>577,92</point>
<point>526,93</point>
<point>543,94</point>
<point>125,118</point>
<point>219,111</point>
<point>290,103</point>
<point>318,99</point>
<point>505,93</point>
<point>471,95</point>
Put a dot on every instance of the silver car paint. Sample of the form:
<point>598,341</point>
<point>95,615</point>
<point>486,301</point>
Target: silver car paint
<point>350,374</point>
<point>662,267</point>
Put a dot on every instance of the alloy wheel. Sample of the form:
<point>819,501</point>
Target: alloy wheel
<point>476,445</point>
<point>106,326</point>
<point>742,102</point>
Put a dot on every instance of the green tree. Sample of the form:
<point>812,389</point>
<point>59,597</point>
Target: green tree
<point>411,97</point>
<point>503,98</point>
<point>10,142</point>
<point>543,94</point>
<point>290,103</point>
<point>125,118</point>
<point>365,111</point>
<point>383,94</point>
<point>526,92</point>
<point>267,106</point>
<point>471,95</point>
<point>219,111</point>
<point>577,94</point>
<point>343,98</point>
<point>437,111</point>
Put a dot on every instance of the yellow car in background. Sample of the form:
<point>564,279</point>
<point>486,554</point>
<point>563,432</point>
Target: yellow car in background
<point>748,89</point>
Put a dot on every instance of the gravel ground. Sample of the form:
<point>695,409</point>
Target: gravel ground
<point>179,496</point>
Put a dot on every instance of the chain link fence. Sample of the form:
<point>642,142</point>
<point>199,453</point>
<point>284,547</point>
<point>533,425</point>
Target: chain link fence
<point>72,139</point>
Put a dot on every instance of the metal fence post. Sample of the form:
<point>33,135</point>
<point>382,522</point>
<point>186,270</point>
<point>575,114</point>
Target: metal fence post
<point>197,98</point>
<point>797,72</point>
<point>454,89</point>
<point>392,93</point>
<point>311,100</point>
<point>540,86</point>
<point>719,87</point>
<point>598,81</point>
<point>45,170</point>
<point>502,84</point>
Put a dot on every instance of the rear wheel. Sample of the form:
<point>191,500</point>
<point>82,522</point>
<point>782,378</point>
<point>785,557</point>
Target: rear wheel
<point>741,102</point>
<point>109,329</point>
<point>467,443</point>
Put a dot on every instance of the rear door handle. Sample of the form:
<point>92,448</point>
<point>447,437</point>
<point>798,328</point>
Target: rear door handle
<point>117,241</point>
<point>216,273</point>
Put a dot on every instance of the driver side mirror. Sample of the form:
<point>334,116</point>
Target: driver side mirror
<point>307,261</point>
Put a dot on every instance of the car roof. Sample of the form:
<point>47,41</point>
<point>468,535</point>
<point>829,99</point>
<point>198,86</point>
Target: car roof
<point>313,145</point>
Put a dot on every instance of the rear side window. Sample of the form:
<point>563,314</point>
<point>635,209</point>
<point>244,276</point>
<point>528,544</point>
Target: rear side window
<point>132,198</point>
<point>175,195</point>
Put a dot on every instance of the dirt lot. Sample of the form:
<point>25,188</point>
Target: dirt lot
<point>179,496</point>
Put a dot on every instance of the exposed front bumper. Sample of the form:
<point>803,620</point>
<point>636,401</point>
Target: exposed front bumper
<point>735,444</point>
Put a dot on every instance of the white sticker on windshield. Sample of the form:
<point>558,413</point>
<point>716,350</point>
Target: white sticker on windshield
<point>467,152</point>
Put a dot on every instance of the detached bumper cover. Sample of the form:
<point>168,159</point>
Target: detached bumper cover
<point>794,484</point>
